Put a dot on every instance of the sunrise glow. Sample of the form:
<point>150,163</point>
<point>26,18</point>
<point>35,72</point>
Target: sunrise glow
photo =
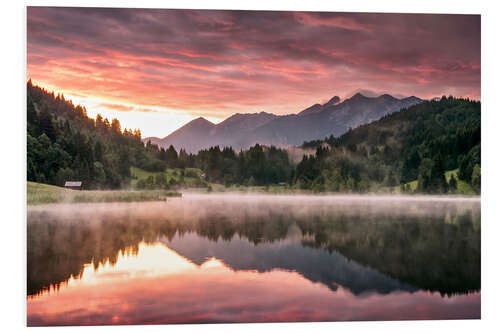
<point>158,69</point>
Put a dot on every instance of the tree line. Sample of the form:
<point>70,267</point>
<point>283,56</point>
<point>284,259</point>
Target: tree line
<point>415,144</point>
<point>258,165</point>
<point>63,143</point>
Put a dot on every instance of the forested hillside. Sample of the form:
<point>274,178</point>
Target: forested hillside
<point>63,143</point>
<point>418,143</point>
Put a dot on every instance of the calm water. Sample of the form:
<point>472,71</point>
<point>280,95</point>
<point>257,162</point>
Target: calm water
<point>247,258</point>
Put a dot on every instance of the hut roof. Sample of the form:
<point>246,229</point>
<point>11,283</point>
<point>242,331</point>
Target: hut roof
<point>73,184</point>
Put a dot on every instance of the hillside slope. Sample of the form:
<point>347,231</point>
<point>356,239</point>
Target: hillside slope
<point>418,143</point>
<point>64,144</point>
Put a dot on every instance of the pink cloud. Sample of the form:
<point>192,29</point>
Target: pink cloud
<point>221,62</point>
<point>117,107</point>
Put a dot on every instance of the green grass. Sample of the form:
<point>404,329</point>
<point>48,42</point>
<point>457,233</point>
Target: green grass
<point>413,185</point>
<point>43,194</point>
<point>462,187</point>
<point>192,176</point>
<point>270,189</point>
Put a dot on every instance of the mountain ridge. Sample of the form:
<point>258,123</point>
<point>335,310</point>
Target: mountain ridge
<point>242,130</point>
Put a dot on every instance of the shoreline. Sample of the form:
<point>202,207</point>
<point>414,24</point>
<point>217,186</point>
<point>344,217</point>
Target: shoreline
<point>40,194</point>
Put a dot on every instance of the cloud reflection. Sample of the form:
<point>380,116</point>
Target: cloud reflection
<point>178,291</point>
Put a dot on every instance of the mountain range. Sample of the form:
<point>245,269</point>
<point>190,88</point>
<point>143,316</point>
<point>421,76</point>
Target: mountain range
<point>318,121</point>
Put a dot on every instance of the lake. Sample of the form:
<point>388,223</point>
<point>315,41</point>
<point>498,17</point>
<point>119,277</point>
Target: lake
<point>254,258</point>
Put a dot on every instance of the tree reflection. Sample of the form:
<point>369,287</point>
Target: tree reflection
<point>426,246</point>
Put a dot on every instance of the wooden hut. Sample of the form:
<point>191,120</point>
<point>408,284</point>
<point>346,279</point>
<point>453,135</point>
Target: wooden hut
<point>73,185</point>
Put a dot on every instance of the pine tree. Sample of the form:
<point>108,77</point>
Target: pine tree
<point>438,178</point>
<point>115,126</point>
<point>476,178</point>
<point>453,183</point>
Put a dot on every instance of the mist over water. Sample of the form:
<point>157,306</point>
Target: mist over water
<point>362,252</point>
<point>195,206</point>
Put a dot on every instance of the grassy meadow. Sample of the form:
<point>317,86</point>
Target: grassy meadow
<point>44,194</point>
<point>189,177</point>
<point>462,187</point>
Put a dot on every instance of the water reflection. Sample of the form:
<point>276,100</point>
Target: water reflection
<point>249,259</point>
<point>316,265</point>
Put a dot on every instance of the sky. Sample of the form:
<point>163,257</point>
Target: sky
<point>157,69</point>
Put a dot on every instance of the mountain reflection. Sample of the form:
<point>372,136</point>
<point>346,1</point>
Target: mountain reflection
<point>316,265</point>
<point>361,245</point>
